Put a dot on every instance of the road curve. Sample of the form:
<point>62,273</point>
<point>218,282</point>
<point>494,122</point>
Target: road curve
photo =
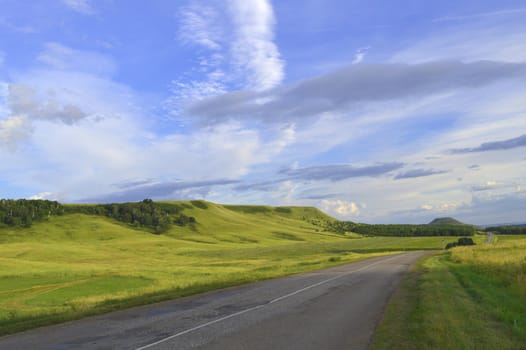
<point>335,308</point>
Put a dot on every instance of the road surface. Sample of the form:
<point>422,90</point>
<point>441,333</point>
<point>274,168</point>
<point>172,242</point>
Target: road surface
<point>336,308</point>
<point>489,238</point>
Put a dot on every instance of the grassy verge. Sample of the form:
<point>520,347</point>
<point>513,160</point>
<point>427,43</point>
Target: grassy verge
<point>470,298</point>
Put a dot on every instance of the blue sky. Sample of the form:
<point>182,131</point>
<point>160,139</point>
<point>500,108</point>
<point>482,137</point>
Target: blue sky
<point>373,111</point>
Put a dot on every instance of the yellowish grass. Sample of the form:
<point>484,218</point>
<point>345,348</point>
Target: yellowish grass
<point>473,297</point>
<point>76,264</point>
<point>504,260</point>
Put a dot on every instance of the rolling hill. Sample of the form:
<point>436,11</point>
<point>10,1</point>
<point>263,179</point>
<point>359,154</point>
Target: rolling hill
<point>73,264</point>
<point>446,221</point>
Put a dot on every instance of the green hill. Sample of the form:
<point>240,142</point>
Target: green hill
<point>71,264</point>
<point>446,221</point>
<point>217,223</point>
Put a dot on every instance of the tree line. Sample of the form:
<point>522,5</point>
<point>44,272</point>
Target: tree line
<point>507,230</point>
<point>158,217</point>
<point>402,230</point>
<point>148,214</point>
<point>23,212</point>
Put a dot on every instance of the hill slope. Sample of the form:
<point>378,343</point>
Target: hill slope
<point>446,221</point>
<point>71,265</point>
<point>217,223</point>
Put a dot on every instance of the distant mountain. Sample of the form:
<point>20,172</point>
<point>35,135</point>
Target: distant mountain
<point>446,221</point>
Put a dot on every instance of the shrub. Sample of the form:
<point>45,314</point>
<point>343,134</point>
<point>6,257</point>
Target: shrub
<point>451,245</point>
<point>460,242</point>
<point>465,241</point>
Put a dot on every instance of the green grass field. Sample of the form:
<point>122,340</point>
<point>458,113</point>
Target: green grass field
<point>469,298</point>
<point>76,265</point>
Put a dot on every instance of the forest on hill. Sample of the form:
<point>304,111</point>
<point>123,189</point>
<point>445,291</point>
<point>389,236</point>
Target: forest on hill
<point>22,212</point>
<point>158,217</point>
<point>402,230</point>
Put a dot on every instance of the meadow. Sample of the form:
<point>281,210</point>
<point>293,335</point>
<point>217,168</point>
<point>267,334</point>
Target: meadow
<point>471,297</point>
<point>76,265</point>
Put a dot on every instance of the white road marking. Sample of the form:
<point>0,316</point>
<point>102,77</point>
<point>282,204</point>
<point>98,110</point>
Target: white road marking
<point>199,327</point>
<point>262,305</point>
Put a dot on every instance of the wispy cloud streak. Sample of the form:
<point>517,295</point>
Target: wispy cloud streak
<point>418,173</point>
<point>160,190</point>
<point>480,15</point>
<point>493,146</point>
<point>80,6</point>
<point>199,25</point>
<point>254,52</point>
<point>339,172</point>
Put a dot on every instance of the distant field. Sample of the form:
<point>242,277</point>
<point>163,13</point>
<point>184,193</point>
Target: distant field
<point>469,298</point>
<point>75,265</point>
<point>500,238</point>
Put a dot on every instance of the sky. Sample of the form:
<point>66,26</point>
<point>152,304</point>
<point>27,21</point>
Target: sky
<point>374,111</point>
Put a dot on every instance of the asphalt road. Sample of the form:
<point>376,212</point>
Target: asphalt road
<point>336,308</point>
<point>489,238</point>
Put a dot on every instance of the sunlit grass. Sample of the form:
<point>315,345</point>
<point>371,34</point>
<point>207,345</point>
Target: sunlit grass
<point>77,265</point>
<point>506,260</point>
<point>472,297</point>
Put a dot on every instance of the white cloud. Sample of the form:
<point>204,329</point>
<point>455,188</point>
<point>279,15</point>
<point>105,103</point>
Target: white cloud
<point>200,25</point>
<point>59,97</point>
<point>80,6</point>
<point>360,54</point>
<point>85,132</point>
<point>254,52</point>
<point>84,160</point>
<point>23,101</point>
<point>185,92</point>
<point>441,207</point>
<point>499,40</point>
<point>60,94</point>
<point>13,130</point>
<point>239,51</point>
<point>494,210</point>
<point>492,189</point>
<point>340,208</point>
<point>486,186</point>
<point>44,195</point>
<point>4,93</point>
<point>203,26</point>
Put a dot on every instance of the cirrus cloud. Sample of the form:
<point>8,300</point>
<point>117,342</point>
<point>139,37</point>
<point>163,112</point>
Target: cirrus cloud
<point>515,142</point>
<point>418,173</point>
<point>80,6</point>
<point>339,172</point>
